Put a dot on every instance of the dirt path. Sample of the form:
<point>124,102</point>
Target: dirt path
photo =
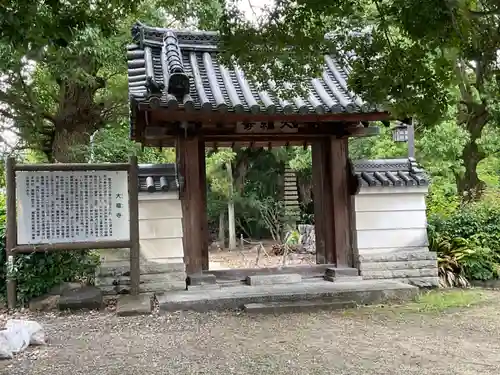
<point>362,342</point>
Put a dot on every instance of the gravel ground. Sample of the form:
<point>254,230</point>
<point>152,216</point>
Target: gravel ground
<point>366,341</point>
<point>247,258</point>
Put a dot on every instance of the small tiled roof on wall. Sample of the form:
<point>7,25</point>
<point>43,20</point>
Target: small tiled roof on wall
<point>180,70</point>
<point>390,172</point>
<point>158,177</point>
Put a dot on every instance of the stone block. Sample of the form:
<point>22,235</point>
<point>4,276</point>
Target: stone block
<point>341,272</point>
<point>122,268</point>
<point>201,279</point>
<point>46,302</point>
<point>152,287</point>
<point>134,305</point>
<point>343,279</point>
<point>400,265</point>
<point>64,287</point>
<point>396,274</point>
<point>421,253</point>
<point>87,297</point>
<point>290,278</point>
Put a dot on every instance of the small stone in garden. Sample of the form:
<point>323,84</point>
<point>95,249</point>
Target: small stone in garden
<point>134,305</point>
<point>46,302</point>
<point>66,286</point>
<point>87,297</point>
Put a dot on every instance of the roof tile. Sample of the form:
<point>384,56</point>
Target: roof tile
<point>180,69</point>
<point>390,172</point>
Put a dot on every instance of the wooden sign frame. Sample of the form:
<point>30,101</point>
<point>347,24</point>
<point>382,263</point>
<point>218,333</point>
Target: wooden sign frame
<point>12,247</point>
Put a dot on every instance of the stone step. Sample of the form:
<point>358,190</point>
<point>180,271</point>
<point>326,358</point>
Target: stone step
<point>289,278</point>
<point>296,306</point>
<point>235,297</point>
<point>343,279</point>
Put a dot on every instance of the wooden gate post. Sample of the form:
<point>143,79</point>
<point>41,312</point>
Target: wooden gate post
<point>11,231</point>
<point>322,202</point>
<point>341,201</point>
<point>133,196</point>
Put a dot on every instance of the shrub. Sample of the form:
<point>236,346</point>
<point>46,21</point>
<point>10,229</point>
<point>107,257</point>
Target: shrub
<point>37,273</point>
<point>461,260</point>
<point>467,241</point>
<point>479,221</point>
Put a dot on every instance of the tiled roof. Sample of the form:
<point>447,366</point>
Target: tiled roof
<point>158,177</point>
<point>180,69</point>
<point>390,172</point>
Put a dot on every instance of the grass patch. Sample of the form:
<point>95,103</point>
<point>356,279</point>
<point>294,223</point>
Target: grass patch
<point>431,302</point>
<point>446,299</point>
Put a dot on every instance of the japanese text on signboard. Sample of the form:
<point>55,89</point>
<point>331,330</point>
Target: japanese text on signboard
<point>60,207</point>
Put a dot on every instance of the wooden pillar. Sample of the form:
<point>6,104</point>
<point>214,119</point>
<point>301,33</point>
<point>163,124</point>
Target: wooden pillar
<point>203,214</point>
<point>322,202</point>
<point>341,201</point>
<point>193,203</point>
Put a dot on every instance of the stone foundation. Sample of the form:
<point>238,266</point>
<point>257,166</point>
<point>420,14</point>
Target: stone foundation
<point>416,267</point>
<point>114,277</point>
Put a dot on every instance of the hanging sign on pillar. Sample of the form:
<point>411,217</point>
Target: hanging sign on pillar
<point>267,127</point>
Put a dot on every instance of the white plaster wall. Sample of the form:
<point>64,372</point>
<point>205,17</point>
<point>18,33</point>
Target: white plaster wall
<point>391,219</point>
<point>160,227</point>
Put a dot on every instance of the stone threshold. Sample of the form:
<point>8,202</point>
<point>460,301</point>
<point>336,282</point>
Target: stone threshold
<point>235,297</point>
<point>311,271</point>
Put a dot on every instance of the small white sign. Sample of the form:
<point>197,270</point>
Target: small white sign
<point>265,127</point>
<point>66,206</point>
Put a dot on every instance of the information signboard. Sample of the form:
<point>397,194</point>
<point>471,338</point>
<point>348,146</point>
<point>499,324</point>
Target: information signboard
<point>72,206</point>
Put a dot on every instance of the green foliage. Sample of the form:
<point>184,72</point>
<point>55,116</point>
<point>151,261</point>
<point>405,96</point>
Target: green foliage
<point>462,260</point>
<point>479,220</point>
<point>466,239</point>
<point>431,60</point>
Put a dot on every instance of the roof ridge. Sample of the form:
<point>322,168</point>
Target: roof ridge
<point>148,35</point>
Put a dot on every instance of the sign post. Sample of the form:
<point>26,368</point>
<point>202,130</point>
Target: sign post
<point>53,207</point>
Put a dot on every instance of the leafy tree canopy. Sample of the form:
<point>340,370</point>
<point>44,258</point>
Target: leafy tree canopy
<point>415,57</point>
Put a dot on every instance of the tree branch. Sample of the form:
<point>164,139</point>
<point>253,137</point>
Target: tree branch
<point>463,83</point>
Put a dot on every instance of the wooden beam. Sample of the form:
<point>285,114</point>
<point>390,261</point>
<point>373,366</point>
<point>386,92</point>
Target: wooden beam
<point>341,204</point>
<point>224,118</point>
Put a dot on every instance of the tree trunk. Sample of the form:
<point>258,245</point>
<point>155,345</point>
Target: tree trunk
<point>469,186</point>
<point>69,146</point>
<point>77,117</point>
<point>230,209</point>
<point>222,229</point>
